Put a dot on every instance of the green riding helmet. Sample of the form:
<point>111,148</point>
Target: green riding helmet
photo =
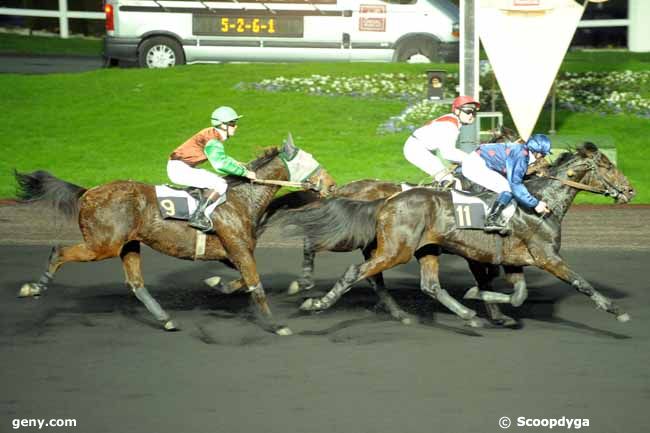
<point>224,115</point>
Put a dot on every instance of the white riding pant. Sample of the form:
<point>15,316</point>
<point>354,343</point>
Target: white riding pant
<point>183,174</point>
<point>422,158</point>
<point>475,169</point>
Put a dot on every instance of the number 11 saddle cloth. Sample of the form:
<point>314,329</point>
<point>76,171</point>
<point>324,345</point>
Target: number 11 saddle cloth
<point>470,210</point>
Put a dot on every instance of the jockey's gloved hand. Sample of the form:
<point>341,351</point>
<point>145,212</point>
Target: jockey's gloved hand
<point>542,208</point>
<point>250,175</point>
<point>449,182</point>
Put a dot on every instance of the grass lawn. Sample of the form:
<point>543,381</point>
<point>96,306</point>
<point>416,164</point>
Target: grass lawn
<point>19,44</point>
<point>98,126</point>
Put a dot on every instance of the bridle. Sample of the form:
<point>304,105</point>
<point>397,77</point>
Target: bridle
<point>611,190</point>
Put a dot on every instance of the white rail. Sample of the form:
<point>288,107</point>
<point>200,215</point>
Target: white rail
<point>63,14</point>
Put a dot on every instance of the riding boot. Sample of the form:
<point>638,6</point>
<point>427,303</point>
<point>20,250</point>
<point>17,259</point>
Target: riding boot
<point>493,222</point>
<point>199,220</point>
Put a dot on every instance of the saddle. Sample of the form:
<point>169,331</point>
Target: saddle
<point>470,209</point>
<point>176,202</point>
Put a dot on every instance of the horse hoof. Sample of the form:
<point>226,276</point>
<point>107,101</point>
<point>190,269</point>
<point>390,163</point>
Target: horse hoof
<point>623,317</point>
<point>31,289</point>
<point>475,322</point>
<point>170,326</point>
<point>294,288</point>
<point>406,320</point>
<point>312,304</point>
<point>213,282</point>
<point>308,305</point>
<point>505,322</point>
<point>283,331</point>
<point>472,293</point>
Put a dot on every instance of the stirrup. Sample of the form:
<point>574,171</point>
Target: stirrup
<point>201,222</point>
<point>503,230</point>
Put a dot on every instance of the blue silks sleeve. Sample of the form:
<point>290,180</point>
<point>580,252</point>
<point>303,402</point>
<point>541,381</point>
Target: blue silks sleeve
<point>516,167</point>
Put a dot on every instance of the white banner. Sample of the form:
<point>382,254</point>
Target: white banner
<point>525,41</point>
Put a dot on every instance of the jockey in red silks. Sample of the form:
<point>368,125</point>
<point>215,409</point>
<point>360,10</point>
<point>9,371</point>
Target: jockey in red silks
<point>501,167</point>
<point>432,147</point>
<point>207,144</point>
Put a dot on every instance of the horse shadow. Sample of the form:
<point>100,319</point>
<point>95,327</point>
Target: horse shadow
<point>546,294</point>
<point>177,292</point>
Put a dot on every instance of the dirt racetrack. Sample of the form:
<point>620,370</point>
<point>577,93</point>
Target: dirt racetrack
<point>88,351</point>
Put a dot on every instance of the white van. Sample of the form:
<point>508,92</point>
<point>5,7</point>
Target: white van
<point>162,33</point>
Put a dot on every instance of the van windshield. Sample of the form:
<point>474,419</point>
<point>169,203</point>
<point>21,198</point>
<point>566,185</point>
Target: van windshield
<point>446,7</point>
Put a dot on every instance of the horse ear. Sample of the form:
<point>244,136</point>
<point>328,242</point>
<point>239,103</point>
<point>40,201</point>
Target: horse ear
<point>289,148</point>
<point>588,148</point>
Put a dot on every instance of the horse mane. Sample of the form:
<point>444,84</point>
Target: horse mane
<point>536,183</point>
<point>268,154</point>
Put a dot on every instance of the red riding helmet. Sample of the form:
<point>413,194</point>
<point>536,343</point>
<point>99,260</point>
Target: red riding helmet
<point>464,100</point>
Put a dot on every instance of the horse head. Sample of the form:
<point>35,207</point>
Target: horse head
<point>303,167</point>
<point>593,169</point>
<point>503,134</point>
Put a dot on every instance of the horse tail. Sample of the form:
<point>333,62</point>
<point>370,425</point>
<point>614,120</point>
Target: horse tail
<point>337,224</point>
<point>292,200</point>
<point>41,186</point>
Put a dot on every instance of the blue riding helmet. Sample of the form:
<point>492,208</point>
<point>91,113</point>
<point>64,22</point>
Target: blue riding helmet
<point>539,143</point>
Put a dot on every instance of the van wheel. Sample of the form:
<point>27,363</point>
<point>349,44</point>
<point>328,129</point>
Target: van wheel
<point>160,52</point>
<point>418,49</point>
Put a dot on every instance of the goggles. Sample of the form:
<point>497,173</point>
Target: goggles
<point>469,110</point>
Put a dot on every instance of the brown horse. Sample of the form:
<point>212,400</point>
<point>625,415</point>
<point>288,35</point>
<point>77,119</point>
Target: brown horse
<point>420,222</point>
<point>116,217</point>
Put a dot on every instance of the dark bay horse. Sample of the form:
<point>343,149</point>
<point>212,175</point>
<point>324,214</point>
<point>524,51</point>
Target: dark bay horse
<point>116,217</point>
<point>346,240</point>
<point>420,222</point>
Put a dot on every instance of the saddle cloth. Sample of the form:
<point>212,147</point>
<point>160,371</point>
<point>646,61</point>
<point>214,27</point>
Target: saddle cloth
<point>179,204</point>
<point>470,211</point>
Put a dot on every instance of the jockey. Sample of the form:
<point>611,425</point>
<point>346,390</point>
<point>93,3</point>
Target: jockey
<point>432,146</point>
<point>501,167</point>
<point>207,144</point>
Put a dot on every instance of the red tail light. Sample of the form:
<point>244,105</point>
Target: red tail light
<point>110,22</point>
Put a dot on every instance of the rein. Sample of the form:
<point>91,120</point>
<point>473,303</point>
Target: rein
<point>577,185</point>
<point>305,185</point>
<point>611,191</point>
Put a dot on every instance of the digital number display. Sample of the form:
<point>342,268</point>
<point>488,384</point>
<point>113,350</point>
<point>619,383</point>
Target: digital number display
<point>249,25</point>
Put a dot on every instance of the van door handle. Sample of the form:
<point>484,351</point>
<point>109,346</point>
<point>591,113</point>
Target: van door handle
<point>346,40</point>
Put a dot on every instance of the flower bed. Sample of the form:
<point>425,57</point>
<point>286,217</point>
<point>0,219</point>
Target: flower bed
<point>601,92</point>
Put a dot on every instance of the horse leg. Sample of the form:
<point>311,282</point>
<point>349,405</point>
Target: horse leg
<point>482,290</point>
<point>484,275</point>
<point>130,256</point>
<point>244,261</point>
<point>377,283</point>
<point>381,260</point>
<point>228,288</point>
<point>514,275</point>
<point>430,284</point>
<point>556,265</point>
<point>306,282</point>
<point>58,256</point>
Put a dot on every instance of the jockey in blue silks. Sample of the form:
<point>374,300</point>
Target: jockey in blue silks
<point>501,167</point>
